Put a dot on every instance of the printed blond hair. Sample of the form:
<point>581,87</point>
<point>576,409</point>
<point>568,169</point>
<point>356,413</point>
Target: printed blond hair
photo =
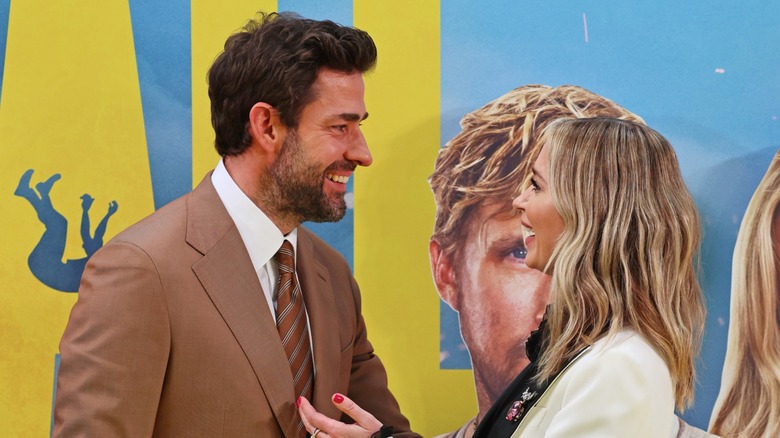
<point>749,401</point>
<point>492,155</point>
<point>626,256</point>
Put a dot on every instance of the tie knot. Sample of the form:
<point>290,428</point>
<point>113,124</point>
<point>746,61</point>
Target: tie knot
<point>286,256</point>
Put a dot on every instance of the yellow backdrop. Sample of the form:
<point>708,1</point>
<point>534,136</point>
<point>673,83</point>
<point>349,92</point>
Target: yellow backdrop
<point>71,104</point>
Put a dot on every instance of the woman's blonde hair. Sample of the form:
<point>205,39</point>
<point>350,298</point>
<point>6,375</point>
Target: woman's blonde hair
<point>749,400</point>
<point>626,256</point>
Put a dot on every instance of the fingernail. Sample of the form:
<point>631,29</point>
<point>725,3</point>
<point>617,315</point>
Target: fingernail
<point>338,398</point>
<point>298,403</point>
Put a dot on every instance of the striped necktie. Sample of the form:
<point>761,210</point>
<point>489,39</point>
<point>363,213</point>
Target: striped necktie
<point>292,325</point>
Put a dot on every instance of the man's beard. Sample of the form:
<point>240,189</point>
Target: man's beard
<point>299,185</point>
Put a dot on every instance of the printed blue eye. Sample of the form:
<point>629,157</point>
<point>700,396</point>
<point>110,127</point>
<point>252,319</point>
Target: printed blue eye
<point>519,252</point>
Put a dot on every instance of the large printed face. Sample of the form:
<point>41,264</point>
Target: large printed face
<point>319,156</point>
<point>499,299</point>
<point>541,222</point>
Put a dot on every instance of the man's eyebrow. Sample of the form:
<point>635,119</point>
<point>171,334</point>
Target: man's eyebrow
<point>351,117</point>
<point>508,241</point>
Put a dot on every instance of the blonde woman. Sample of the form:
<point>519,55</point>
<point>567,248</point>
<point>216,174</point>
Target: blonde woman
<point>609,217</point>
<point>749,401</point>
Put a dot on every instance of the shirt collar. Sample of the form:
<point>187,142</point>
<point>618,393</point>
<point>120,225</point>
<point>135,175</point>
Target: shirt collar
<point>261,237</point>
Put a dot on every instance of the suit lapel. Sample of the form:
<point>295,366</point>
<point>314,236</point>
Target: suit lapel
<point>321,308</point>
<point>228,277</point>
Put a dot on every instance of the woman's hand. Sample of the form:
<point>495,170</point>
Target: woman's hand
<point>320,426</point>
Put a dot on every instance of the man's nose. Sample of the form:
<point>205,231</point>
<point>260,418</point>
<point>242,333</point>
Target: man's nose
<point>358,151</point>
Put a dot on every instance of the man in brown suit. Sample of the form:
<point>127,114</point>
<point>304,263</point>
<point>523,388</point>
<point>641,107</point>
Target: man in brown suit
<point>175,331</point>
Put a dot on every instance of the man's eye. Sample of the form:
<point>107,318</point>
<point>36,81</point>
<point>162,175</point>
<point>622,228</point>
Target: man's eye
<point>340,128</point>
<point>519,253</point>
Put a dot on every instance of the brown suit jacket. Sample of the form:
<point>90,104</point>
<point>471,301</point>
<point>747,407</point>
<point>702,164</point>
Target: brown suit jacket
<point>171,335</point>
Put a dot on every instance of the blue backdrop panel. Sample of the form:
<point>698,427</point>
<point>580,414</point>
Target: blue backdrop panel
<point>161,32</point>
<point>5,6</point>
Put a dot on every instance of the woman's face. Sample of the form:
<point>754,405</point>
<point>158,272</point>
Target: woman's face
<point>542,225</point>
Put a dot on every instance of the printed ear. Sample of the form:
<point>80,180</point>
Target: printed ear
<point>444,275</point>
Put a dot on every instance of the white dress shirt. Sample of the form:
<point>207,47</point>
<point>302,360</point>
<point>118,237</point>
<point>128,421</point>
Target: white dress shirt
<point>261,237</point>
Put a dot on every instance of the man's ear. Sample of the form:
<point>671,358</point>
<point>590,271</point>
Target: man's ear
<point>265,127</point>
<point>444,275</point>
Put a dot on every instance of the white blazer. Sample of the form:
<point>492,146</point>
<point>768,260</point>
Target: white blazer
<point>620,387</point>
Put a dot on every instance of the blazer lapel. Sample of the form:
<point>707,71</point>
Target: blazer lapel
<point>228,277</point>
<point>321,308</point>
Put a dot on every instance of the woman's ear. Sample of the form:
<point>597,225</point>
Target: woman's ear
<point>444,275</point>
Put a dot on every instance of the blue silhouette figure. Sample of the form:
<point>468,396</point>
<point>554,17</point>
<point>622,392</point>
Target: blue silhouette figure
<point>45,260</point>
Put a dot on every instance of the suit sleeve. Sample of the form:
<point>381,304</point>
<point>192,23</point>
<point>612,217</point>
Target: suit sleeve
<point>114,351</point>
<point>368,380</point>
<point>621,392</point>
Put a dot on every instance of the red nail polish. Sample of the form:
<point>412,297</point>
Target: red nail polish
<point>338,398</point>
<point>298,403</point>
